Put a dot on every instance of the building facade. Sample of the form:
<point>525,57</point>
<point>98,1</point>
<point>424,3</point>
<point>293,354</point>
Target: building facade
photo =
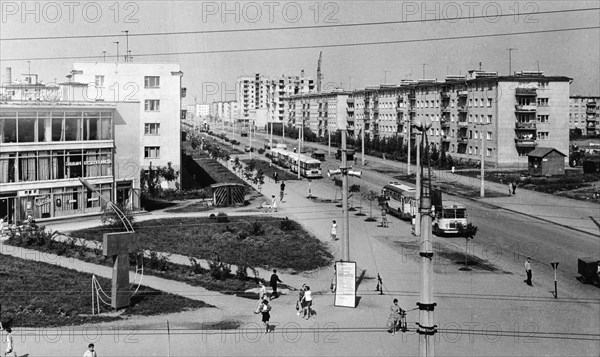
<point>321,112</point>
<point>584,114</point>
<point>225,112</point>
<point>108,122</point>
<point>513,114</point>
<point>262,92</point>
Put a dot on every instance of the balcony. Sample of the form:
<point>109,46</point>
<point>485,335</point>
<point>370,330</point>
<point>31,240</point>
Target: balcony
<point>462,140</point>
<point>525,142</point>
<point>446,139</point>
<point>446,109</point>
<point>590,110</point>
<point>531,108</point>
<point>350,100</point>
<point>462,93</point>
<point>526,92</point>
<point>462,108</point>
<point>350,109</point>
<point>446,95</point>
<point>525,126</point>
<point>445,123</point>
<point>463,124</point>
<point>411,96</point>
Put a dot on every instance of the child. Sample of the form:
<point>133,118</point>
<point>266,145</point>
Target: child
<point>266,316</point>
<point>9,343</point>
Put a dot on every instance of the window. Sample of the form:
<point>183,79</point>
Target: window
<point>470,150</point>
<point>151,129</point>
<point>489,135</point>
<point>470,134</point>
<point>99,80</point>
<point>489,118</point>
<point>543,135</point>
<point>152,105</point>
<point>488,153</point>
<point>542,118</point>
<point>489,102</point>
<point>151,82</point>
<point>151,152</point>
<point>542,102</point>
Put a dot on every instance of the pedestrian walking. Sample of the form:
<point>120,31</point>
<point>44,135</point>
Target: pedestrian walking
<point>514,187</point>
<point>274,203</point>
<point>307,312</point>
<point>394,319</point>
<point>300,302</point>
<point>276,177</point>
<point>265,309</point>
<point>10,348</point>
<point>262,295</point>
<point>384,221</point>
<point>281,191</point>
<point>334,230</point>
<point>528,271</point>
<point>510,188</point>
<point>90,352</point>
<point>273,282</point>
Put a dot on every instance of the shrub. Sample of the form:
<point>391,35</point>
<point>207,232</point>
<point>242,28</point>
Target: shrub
<point>261,151</point>
<point>222,217</point>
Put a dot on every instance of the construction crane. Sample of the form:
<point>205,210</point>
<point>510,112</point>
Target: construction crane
<point>319,74</point>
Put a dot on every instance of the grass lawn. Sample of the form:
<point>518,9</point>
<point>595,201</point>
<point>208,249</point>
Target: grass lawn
<point>271,242</point>
<point>37,294</point>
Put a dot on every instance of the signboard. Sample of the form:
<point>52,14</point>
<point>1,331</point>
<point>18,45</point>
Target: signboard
<point>345,277</point>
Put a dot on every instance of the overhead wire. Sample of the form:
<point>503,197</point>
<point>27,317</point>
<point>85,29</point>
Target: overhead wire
<point>290,28</point>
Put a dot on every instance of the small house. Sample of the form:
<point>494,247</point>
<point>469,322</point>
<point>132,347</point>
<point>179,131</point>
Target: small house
<point>546,162</point>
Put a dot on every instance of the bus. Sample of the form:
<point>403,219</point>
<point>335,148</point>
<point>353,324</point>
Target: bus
<point>309,167</point>
<point>402,202</point>
<point>400,199</point>
<point>448,215</point>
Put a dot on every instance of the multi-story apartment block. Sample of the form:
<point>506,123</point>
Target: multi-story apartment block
<point>225,112</point>
<point>156,88</point>
<point>513,114</point>
<point>199,111</point>
<point>584,114</point>
<point>96,127</point>
<point>261,92</point>
<point>321,112</point>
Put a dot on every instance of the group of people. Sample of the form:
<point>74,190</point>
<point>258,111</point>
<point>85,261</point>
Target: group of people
<point>273,205</point>
<point>304,303</point>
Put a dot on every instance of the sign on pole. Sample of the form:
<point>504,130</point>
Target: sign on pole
<point>345,293</point>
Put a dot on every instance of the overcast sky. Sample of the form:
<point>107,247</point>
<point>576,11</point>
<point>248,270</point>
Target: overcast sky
<point>211,76</point>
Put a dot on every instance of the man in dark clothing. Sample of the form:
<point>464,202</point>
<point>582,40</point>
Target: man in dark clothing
<point>275,176</point>
<point>282,190</point>
<point>273,282</point>
<point>514,187</point>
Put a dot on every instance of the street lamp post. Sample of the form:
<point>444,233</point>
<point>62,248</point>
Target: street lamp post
<point>409,145</point>
<point>483,139</point>
<point>418,193</point>
<point>555,267</point>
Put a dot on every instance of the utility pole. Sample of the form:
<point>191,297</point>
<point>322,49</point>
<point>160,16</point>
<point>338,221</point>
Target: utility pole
<point>344,168</point>
<point>117,43</point>
<point>250,137</point>
<point>328,138</point>
<point>298,149</point>
<point>426,328</point>
<point>483,139</point>
<point>271,139</point>
<point>362,143</point>
<point>127,44</point>
<point>418,193</point>
<point>510,60</point>
<point>409,145</point>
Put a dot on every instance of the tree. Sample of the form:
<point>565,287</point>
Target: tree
<point>371,196</point>
<point>236,164</point>
<point>259,179</point>
<point>468,232</point>
<point>353,189</point>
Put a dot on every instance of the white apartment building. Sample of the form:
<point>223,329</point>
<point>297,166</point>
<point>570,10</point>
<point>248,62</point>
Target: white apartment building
<point>321,112</point>
<point>225,112</point>
<point>262,92</point>
<point>513,114</point>
<point>584,114</point>
<point>156,88</point>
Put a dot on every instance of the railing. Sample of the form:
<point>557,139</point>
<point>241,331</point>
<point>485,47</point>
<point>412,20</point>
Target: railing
<point>526,108</point>
<point>526,91</point>
<point>530,125</point>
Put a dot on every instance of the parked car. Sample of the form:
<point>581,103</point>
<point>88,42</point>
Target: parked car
<point>248,149</point>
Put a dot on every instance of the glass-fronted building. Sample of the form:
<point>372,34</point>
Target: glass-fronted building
<point>45,149</point>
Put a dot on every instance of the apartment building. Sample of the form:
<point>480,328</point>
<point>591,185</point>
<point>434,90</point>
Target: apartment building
<point>584,114</point>
<point>95,126</point>
<point>321,112</point>
<point>513,114</point>
<point>156,88</point>
<point>263,92</point>
<point>225,112</point>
